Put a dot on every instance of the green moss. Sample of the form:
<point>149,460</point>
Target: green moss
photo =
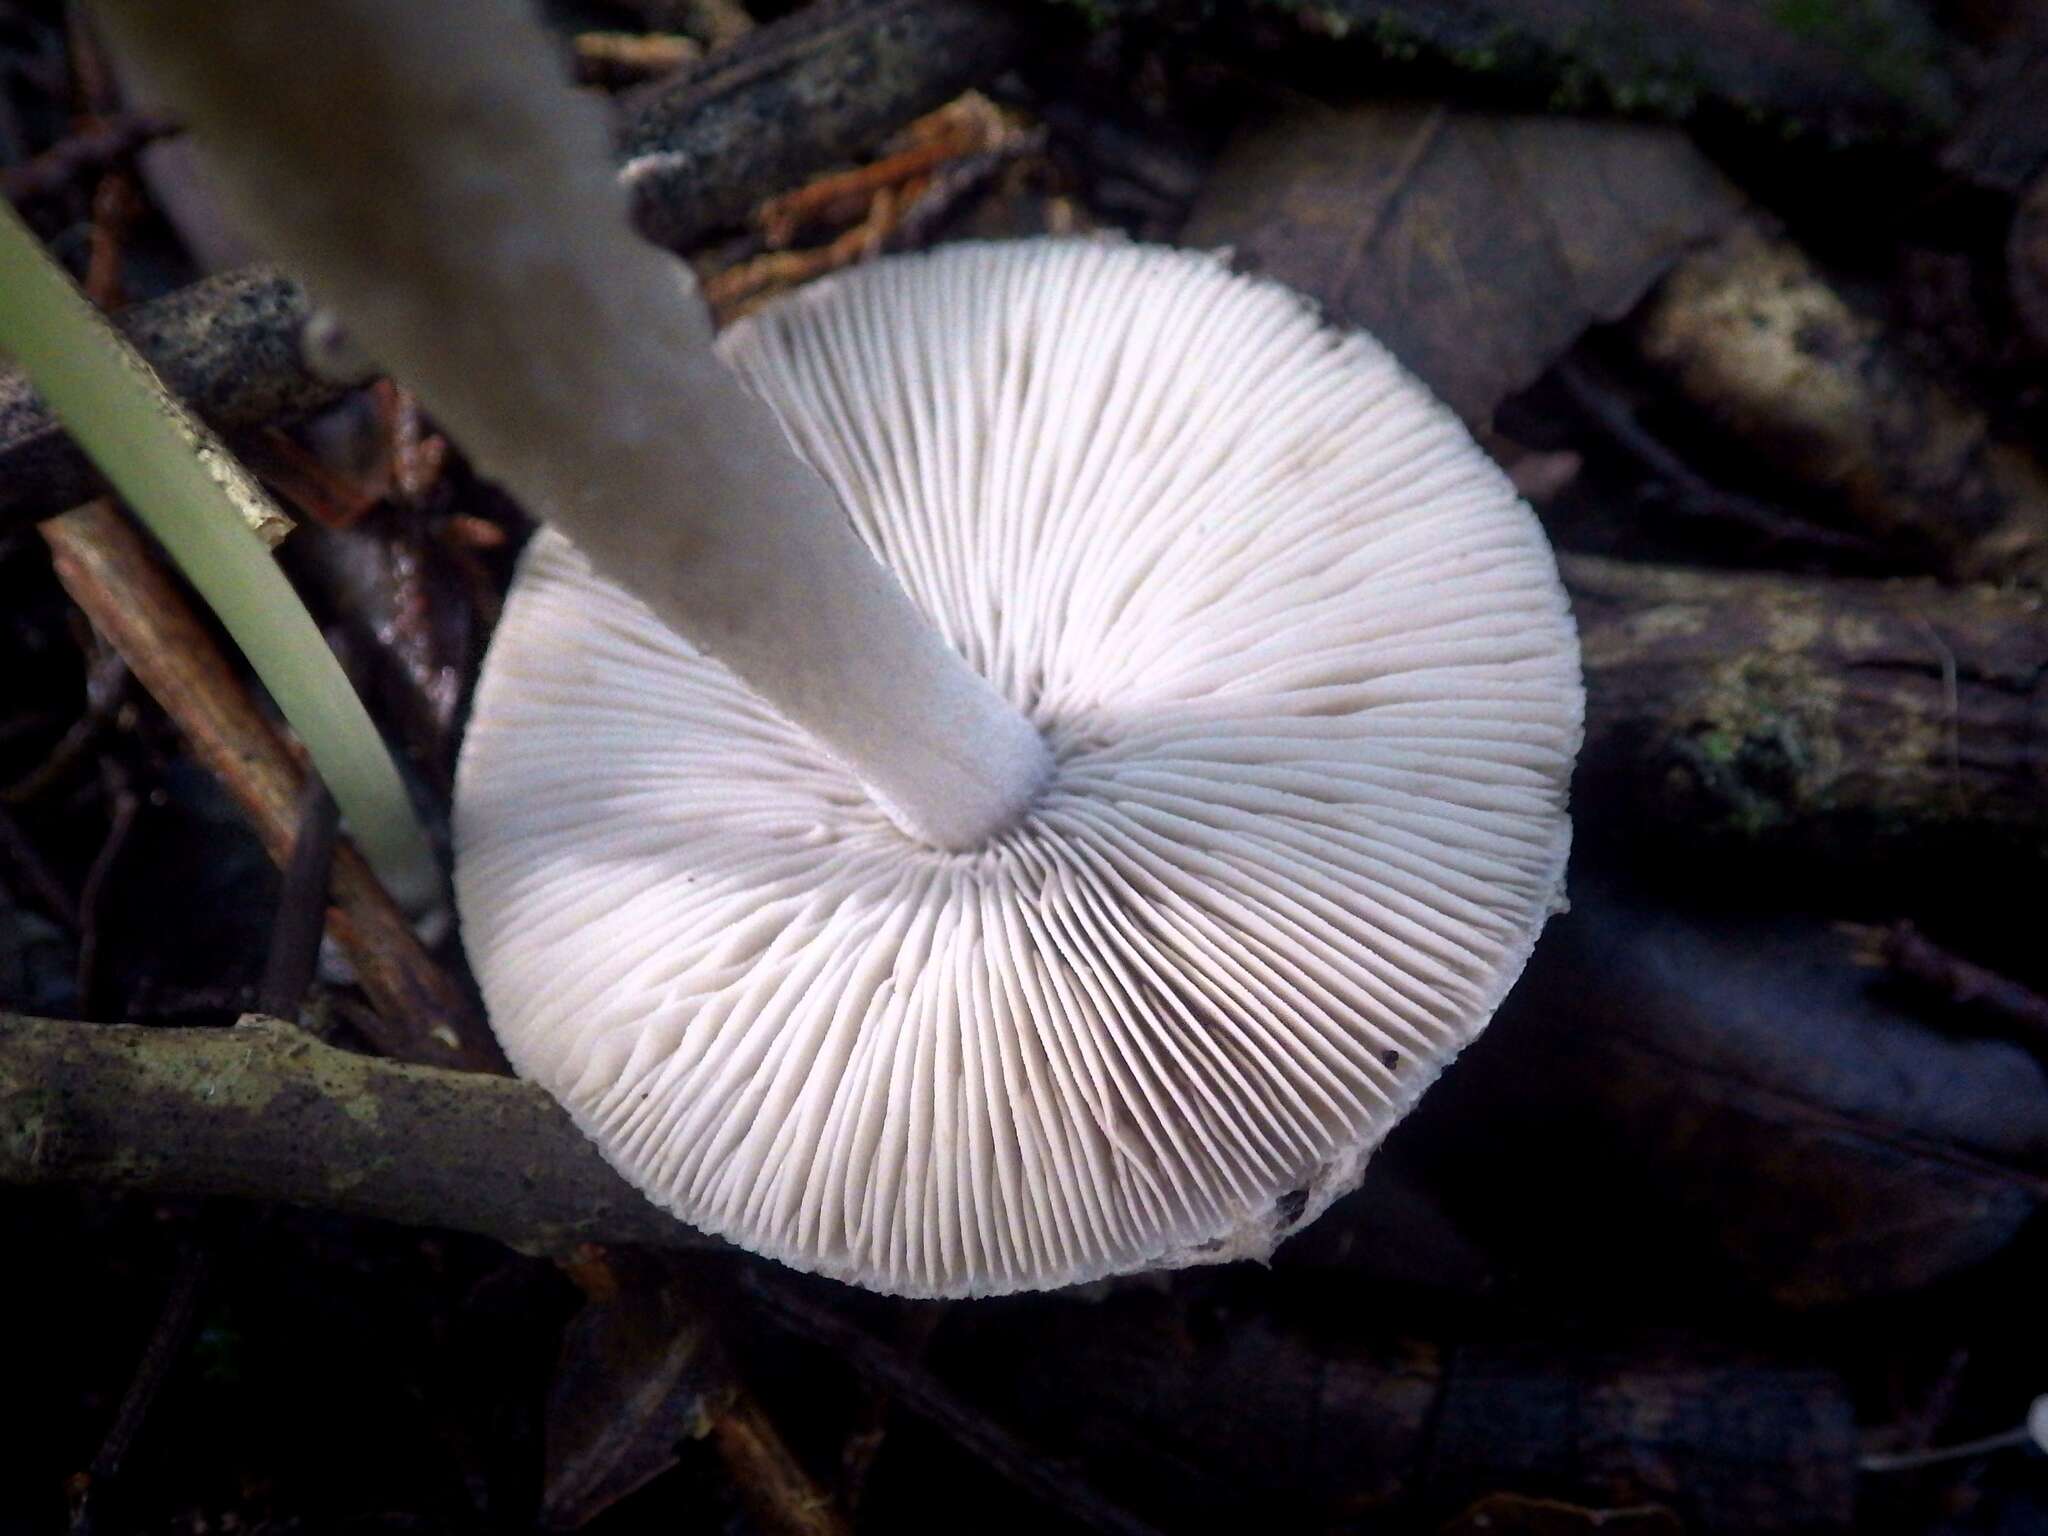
<point>1761,751</point>
<point>1871,35</point>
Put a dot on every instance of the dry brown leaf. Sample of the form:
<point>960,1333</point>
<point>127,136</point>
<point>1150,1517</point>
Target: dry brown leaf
<point>1477,247</point>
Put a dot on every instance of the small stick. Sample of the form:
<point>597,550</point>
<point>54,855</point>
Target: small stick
<point>132,601</point>
<point>1694,491</point>
<point>100,146</point>
<point>35,872</point>
<point>836,196</point>
<point>1913,955</point>
<point>166,1345</point>
<point>301,904</point>
<point>119,825</point>
<point>776,1490</point>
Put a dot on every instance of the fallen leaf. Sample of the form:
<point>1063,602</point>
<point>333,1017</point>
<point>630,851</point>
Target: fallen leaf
<point>1477,247</point>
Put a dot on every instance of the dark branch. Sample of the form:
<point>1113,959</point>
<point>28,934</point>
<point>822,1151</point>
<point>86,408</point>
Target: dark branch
<point>266,1112</point>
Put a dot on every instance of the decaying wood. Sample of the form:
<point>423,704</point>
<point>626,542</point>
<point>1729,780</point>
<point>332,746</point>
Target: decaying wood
<point>1854,717</point>
<point>785,100</point>
<point>131,600</point>
<point>1754,335</point>
<point>265,1111</point>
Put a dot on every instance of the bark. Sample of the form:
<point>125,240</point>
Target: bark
<point>264,1111</point>
<point>1854,718</point>
<point>818,87</point>
<point>786,100</point>
<point>227,346</point>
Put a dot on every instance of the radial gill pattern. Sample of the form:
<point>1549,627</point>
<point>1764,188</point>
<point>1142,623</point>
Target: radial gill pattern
<point>1314,694</point>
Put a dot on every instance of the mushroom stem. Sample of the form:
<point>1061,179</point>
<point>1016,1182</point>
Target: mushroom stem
<point>429,173</point>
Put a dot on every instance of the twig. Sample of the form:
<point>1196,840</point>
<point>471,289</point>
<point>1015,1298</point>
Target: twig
<point>106,685</point>
<point>641,1370</point>
<point>131,599</point>
<point>167,1342</point>
<point>122,820</point>
<point>1057,1488</point>
<point>97,147</point>
<point>737,289</point>
<point>36,873</point>
<point>779,1492</point>
<point>116,205</point>
<point>953,185</point>
<point>814,89</point>
<point>1971,987</point>
<point>301,905</point>
<point>617,59</point>
<point>228,346</point>
<point>1695,493</point>
<point>847,193</point>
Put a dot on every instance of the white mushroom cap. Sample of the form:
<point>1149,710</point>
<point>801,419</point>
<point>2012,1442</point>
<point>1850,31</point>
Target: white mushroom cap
<point>1313,693</point>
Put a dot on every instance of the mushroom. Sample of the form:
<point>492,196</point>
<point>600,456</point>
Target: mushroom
<point>1029,788</point>
<point>1312,694</point>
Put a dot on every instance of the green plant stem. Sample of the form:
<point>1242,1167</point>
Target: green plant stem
<point>201,505</point>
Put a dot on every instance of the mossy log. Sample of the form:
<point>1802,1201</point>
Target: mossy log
<point>264,1111</point>
<point>1851,718</point>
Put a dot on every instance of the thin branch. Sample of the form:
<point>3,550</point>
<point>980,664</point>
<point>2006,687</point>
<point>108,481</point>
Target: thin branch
<point>1976,989</point>
<point>132,600</point>
<point>98,147</point>
<point>167,1344</point>
<point>265,1111</point>
<point>301,904</point>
